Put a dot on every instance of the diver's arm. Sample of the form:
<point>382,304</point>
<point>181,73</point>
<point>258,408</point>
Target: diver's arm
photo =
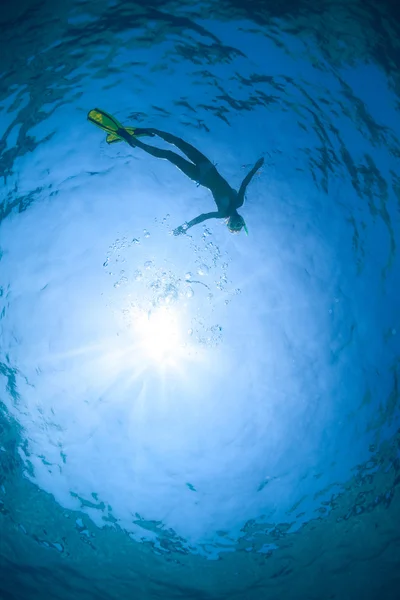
<point>247,180</point>
<point>197,220</point>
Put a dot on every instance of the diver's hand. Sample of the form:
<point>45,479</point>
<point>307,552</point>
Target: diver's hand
<point>179,230</point>
<point>259,163</point>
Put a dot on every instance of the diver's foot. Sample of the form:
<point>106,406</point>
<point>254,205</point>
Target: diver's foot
<point>143,131</point>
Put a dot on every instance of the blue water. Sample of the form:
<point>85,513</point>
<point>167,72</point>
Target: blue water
<point>203,416</point>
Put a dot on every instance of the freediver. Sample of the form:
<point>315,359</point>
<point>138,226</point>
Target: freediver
<point>199,168</point>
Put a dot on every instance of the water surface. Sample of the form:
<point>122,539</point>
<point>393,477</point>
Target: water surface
<point>201,416</point>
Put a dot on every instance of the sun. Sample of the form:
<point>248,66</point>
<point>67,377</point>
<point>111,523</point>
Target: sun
<point>160,336</point>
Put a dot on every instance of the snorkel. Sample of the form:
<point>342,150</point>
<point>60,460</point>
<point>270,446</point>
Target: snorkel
<point>236,223</point>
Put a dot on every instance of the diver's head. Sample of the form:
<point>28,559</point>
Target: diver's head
<point>235,223</point>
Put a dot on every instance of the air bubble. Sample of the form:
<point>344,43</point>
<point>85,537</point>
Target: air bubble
<point>171,294</point>
<point>148,264</point>
<point>120,282</point>
<point>203,270</point>
<point>156,284</point>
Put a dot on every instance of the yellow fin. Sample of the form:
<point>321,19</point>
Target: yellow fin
<point>103,120</point>
<point>112,138</point>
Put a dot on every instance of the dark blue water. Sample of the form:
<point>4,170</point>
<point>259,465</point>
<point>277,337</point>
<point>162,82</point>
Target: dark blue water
<point>203,416</point>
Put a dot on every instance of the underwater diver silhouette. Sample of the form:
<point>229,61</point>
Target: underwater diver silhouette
<point>199,168</point>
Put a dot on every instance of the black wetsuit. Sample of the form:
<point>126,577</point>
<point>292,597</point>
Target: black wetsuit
<point>200,169</point>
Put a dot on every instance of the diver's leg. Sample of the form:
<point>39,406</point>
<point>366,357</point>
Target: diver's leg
<point>184,165</point>
<point>190,151</point>
<point>143,131</point>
